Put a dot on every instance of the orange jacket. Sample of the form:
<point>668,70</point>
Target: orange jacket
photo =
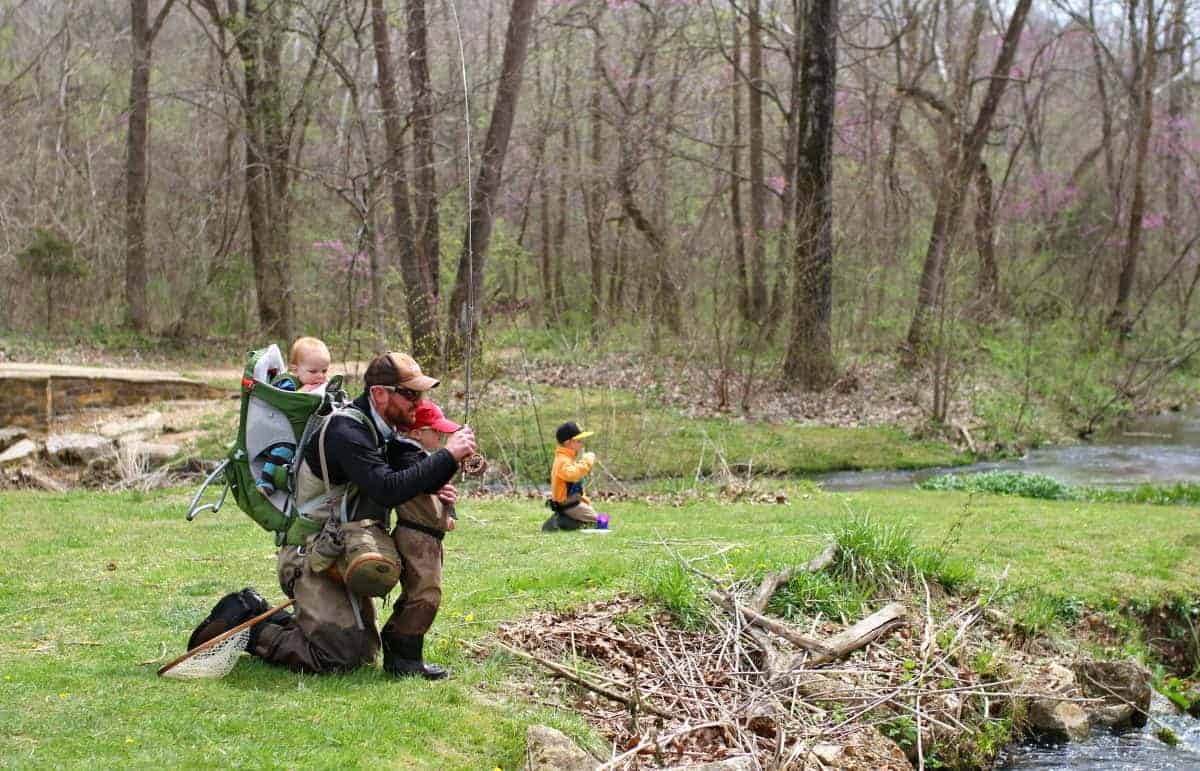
<point>567,475</point>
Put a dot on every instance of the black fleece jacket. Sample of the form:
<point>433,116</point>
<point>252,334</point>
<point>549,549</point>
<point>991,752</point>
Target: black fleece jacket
<point>384,475</point>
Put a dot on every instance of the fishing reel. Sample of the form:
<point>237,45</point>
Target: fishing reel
<point>474,465</point>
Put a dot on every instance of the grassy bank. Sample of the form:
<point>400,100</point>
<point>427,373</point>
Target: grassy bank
<point>638,439</point>
<point>100,589</point>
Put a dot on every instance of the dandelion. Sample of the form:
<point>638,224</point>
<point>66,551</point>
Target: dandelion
<point>469,617</point>
<point>129,740</point>
<point>63,695</point>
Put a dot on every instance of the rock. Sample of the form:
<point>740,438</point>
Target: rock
<point>10,436</point>
<point>549,750</point>
<point>150,424</point>
<point>829,754</point>
<point>1111,715</point>
<point>32,477</point>
<point>1058,678</point>
<point>26,448</point>
<point>1059,719</point>
<point>870,750</point>
<point>74,449</point>
<point>1124,686</point>
<point>1161,705</point>
<point>1193,696</point>
<point>153,453</point>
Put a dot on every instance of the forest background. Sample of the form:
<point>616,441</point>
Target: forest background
<point>780,193</point>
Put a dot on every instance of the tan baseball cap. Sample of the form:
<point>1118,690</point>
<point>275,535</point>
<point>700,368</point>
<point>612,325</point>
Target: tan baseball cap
<point>397,369</point>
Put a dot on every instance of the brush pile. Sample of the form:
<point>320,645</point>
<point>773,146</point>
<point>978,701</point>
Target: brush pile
<point>918,679</point>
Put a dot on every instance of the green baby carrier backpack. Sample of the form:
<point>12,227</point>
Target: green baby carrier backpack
<point>273,424</point>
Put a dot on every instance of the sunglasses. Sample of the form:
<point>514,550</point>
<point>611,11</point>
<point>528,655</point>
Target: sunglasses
<point>407,393</point>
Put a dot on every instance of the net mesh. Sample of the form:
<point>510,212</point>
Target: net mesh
<point>214,663</point>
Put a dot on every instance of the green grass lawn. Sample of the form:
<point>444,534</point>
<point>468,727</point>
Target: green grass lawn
<point>98,590</point>
<point>637,438</point>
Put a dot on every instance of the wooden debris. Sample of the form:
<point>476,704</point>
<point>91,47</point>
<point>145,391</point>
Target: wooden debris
<point>632,702</point>
<point>872,627</point>
<point>771,625</point>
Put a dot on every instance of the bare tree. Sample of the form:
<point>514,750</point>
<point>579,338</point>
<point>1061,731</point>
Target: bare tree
<point>1145,58</point>
<point>141,34</point>
<point>960,160</point>
<point>464,315</point>
<point>809,360</point>
<point>274,131</point>
<point>421,302</point>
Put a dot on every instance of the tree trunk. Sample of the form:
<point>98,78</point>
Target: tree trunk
<point>421,305</point>
<point>426,226</point>
<point>142,40</point>
<point>809,361</point>
<point>259,45</point>
<point>1118,320</point>
<point>987,287</point>
<point>758,217</point>
<point>735,182</point>
<point>961,160</point>
<point>135,168</point>
<point>1175,135</point>
<point>593,194</point>
<point>464,310</point>
<point>560,230</point>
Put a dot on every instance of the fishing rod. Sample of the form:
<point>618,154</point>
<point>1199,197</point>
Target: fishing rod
<point>467,323</point>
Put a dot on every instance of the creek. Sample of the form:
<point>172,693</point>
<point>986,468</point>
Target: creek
<point>1159,449</point>
<point>1136,749</point>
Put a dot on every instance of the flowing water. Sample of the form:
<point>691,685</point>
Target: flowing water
<point>1134,750</point>
<point>1162,449</point>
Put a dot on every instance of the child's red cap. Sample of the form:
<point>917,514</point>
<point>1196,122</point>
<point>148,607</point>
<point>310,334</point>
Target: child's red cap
<point>429,415</point>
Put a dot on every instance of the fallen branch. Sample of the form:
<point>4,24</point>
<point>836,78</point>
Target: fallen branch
<point>864,632</point>
<point>772,581</point>
<point>578,679</point>
<point>771,625</point>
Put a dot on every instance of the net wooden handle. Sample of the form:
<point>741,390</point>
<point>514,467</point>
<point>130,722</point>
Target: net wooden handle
<point>224,636</point>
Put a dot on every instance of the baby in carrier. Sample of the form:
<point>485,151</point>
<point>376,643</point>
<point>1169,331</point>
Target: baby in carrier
<point>308,364</point>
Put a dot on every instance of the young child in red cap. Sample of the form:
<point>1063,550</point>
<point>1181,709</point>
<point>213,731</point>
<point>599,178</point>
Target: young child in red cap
<point>421,524</point>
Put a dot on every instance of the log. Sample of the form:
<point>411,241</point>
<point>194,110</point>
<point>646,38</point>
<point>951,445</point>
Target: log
<point>771,625</point>
<point>874,626</point>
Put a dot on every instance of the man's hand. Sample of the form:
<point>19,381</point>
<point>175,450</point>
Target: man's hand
<point>447,494</point>
<point>461,443</point>
<point>451,523</point>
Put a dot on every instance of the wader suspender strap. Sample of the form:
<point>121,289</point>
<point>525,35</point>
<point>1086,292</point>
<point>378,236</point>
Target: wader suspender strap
<point>325,479</point>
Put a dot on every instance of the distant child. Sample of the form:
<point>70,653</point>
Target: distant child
<point>308,365</point>
<point>572,509</point>
<point>421,524</point>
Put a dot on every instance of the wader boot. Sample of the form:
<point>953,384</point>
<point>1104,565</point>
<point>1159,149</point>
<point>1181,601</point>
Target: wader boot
<point>402,657</point>
<point>231,610</point>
